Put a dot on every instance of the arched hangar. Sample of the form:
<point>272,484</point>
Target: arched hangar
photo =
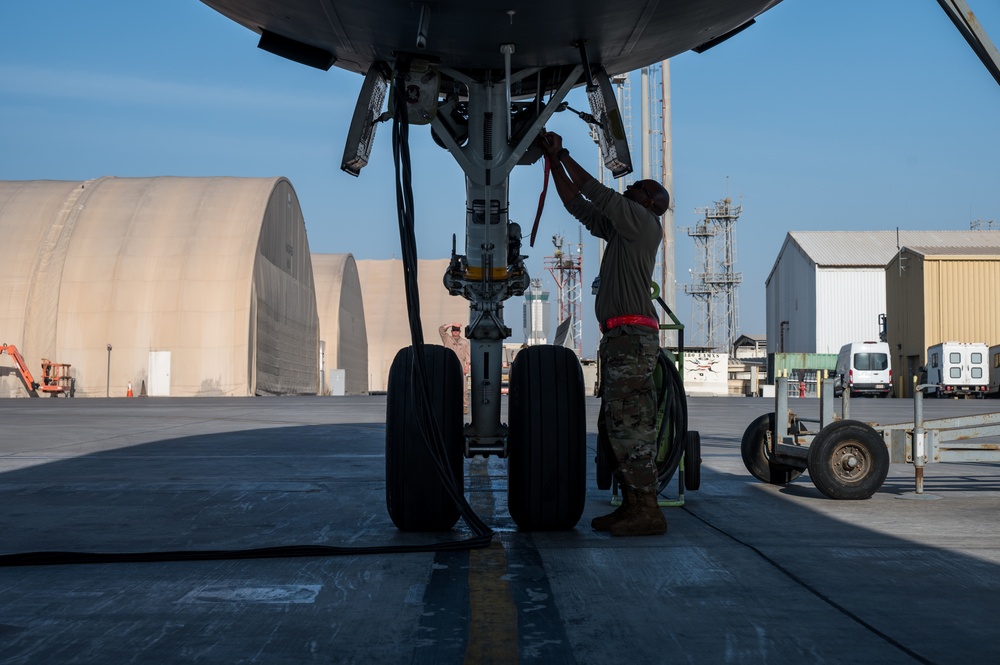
<point>344,338</point>
<point>189,286</point>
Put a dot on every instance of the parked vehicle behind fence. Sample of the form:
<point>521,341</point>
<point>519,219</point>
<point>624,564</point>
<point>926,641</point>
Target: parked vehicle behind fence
<point>958,369</point>
<point>864,368</point>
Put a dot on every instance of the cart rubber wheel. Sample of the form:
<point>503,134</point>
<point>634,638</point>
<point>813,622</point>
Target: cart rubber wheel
<point>415,495</point>
<point>547,439</point>
<point>755,457</point>
<point>692,461</point>
<point>848,460</point>
<point>604,457</point>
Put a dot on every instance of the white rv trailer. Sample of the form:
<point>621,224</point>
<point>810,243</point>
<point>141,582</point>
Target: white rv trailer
<point>995,370</point>
<point>958,368</point>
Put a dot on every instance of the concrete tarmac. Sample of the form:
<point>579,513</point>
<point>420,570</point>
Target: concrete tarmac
<point>748,573</point>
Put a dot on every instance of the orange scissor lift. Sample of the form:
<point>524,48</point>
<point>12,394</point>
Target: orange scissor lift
<point>55,376</point>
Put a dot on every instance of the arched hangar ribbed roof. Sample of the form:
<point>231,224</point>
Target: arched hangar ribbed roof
<point>212,274</point>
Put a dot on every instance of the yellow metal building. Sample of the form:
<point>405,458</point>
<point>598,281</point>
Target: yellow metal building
<point>939,294</point>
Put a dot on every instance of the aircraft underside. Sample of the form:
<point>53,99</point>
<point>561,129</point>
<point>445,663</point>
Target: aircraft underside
<point>486,77</point>
<point>462,34</point>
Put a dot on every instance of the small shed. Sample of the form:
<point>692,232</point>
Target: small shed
<point>750,347</point>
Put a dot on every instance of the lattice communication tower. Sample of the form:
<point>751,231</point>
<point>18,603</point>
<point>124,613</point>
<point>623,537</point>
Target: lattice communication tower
<point>714,288</point>
<point>566,269</point>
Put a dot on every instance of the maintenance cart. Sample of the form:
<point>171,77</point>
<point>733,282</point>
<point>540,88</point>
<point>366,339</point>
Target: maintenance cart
<point>849,459</point>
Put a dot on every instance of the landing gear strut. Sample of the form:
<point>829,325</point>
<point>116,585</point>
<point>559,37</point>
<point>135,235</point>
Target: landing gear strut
<point>478,120</point>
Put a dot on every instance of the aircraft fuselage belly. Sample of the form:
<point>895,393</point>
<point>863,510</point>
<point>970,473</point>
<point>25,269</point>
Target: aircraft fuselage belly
<point>463,34</point>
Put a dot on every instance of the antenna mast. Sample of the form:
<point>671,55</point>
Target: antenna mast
<point>715,287</point>
<point>567,271</point>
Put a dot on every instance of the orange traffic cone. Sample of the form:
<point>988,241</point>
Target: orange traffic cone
<point>129,393</point>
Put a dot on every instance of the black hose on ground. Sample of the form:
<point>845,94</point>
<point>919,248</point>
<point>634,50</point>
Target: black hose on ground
<point>482,534</point>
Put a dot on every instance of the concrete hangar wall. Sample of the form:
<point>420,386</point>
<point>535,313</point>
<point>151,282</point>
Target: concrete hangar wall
<point>385,314</point>
<point>343,332</point>
<point>209,280</point>
<point>828,288</point>
<point>364,304</point>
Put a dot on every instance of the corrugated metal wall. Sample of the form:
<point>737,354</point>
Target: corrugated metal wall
<point>962,299</point>
<point>286,359</point>
<point>939,298</point>
<point>849,301</point>
<point>791,297</point>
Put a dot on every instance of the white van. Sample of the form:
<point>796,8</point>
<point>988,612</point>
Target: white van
<point>958,368</point>
<point>864,368</point>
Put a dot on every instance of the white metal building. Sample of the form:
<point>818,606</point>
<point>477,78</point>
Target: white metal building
<point>827,288</point>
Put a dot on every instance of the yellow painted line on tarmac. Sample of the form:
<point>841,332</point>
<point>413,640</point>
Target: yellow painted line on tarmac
<point>492,616</point>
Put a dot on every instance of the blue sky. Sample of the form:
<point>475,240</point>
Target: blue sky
<point>840,115</point>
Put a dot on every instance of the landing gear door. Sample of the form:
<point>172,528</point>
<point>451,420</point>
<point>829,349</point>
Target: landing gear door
<point>611,133</point>
<point>367,114</point>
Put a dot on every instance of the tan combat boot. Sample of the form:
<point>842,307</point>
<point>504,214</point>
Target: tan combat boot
<point>604,522</point>
<point>643,517</point>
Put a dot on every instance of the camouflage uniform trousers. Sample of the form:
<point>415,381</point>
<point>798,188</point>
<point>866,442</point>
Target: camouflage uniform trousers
<point>628,358</point>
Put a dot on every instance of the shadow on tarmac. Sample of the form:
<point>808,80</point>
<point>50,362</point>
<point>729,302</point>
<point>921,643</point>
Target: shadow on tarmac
<point>748,573</point>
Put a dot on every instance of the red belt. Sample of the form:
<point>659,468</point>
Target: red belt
<point>630,320</point>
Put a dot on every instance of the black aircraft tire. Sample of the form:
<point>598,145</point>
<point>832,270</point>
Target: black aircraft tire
<point>547,439</point>
<point>755,458</point>
<point>414,492</point>
<point>692,461</point>
<point>848,460</point>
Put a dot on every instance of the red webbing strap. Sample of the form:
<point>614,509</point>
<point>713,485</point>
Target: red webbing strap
<point>630,320</point>
<point>541,201</point>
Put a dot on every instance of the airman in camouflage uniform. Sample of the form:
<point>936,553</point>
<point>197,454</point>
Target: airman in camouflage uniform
<point>630,224</point>
<point>628,357</point>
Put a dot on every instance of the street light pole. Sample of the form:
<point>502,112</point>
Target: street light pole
<point>108,391</point>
